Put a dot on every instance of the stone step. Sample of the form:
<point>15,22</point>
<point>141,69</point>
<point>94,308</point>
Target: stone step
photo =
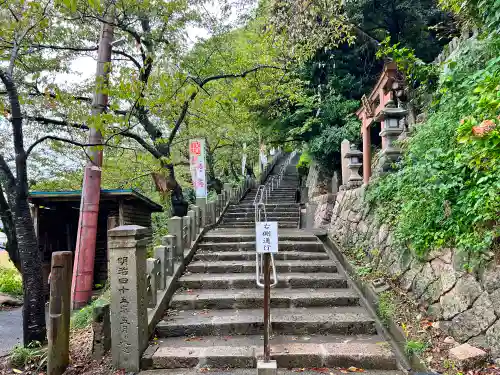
<point>251,219</point>
<point>251,225</point>
<point>339,370</point>
<point>269,205</point>
<point>251,213</point>
<point>233,266</point>
<point>298,321</point>
<point>225,236</point>
<point>250,255</point>
<point>247,280</point>
<point>270,209</point>
<point>197,299</point>
<point>307,353</point>
<point>272,201</point>
<point>298,246</point>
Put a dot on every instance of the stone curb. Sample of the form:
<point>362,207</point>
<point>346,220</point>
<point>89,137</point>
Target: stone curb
<point>369,299</point>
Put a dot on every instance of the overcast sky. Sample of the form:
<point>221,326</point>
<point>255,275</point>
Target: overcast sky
<point>85,66</point>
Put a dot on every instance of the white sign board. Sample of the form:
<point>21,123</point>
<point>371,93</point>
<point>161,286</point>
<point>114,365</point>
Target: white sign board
<point>266,234</point>
<point>197,166</point>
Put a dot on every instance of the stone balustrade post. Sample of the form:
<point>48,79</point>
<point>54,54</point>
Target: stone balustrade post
<point>175,229</point>
<point>162,256</point>
<point>129,319</point>
<point>212,213</point>
<point>192,232</point>
<point>219,204</point>
<point>197,212</point>
<point>228,190</point>
<point>186,226</point>
<point>152,289</point>
<point>202,204</point>
<point>169,242</point>
<point>194,226</point>
<point>345,147</point>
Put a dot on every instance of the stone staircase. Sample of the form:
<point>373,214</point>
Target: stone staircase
<point>281,204</point>
<point>215,319</point>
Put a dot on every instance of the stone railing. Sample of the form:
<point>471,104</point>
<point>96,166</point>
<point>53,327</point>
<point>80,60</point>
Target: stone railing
<point>268,168</point>
<point>454,45</point>
<point>141,287</point>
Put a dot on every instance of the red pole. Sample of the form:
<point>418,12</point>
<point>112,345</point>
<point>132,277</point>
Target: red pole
<point>83,267</point>
<point>367,159</point>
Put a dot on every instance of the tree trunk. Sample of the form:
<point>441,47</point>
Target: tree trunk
<point>9,230</point>
<point>233,171</point>
<point>210,162</point>
<point>31,265</point>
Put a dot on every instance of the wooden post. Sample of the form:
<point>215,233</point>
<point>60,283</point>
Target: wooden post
<point>59,312</point>
<point>367,158</point>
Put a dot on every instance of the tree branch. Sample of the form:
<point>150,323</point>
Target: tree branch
<point>8,176</point>
<point>130,57</point>
<point>149,148</point>
<point>55,138</point>
<point>202,83</point>
<point>49,121</point>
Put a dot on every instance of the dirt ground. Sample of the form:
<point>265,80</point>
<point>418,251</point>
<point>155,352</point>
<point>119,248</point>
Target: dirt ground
<point>81,361</point>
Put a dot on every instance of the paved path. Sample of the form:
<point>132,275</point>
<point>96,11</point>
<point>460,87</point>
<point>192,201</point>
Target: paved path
<point>11,329</point>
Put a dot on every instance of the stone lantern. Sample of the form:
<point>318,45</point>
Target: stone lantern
<point>391,117</point>
<point>355,158</point>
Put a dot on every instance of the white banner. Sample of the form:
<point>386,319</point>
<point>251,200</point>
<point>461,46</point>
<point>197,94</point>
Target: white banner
<point>244,160</point>
<point>263,159</point>
<point>266,234</point>
<point>197,166</point>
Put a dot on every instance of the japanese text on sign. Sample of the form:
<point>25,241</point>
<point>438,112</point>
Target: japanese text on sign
<point>266,236</point>
<point>198,166</point>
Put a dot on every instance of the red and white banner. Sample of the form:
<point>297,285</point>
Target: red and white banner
<point>197,166</point>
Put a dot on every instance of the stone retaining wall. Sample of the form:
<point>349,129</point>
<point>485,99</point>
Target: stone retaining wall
<point>466,304</point>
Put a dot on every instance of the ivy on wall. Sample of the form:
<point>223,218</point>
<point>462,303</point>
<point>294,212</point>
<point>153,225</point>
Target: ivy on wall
<point>445,192</point>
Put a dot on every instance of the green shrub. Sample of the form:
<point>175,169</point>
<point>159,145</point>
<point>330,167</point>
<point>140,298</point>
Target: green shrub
<point>444,193</point>
<point>20,356</point>
<point>10,281</point>
<point>83,317</point>
<point>304,163</point>
<point>386,307</point>
<point>415,348</point>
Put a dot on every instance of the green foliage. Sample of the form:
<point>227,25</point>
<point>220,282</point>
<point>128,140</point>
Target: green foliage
<point>83,317</point>
<point>413,23</point>
<point>10,281</point>
<point>416,72</point>
<point>304,161</point>
<point>33,354</point>
<point>415,348</point>
<point>451,164</point>
<point>386,307</point>
<point>475,12</point>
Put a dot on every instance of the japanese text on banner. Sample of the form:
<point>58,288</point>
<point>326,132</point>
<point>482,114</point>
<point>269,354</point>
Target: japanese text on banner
<point>197,166</point>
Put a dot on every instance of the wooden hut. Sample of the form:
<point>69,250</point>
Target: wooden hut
<point>55,215</point>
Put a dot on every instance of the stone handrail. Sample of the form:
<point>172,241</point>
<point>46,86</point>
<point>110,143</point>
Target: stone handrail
<point>268,168</point>
<point>141,288</point>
